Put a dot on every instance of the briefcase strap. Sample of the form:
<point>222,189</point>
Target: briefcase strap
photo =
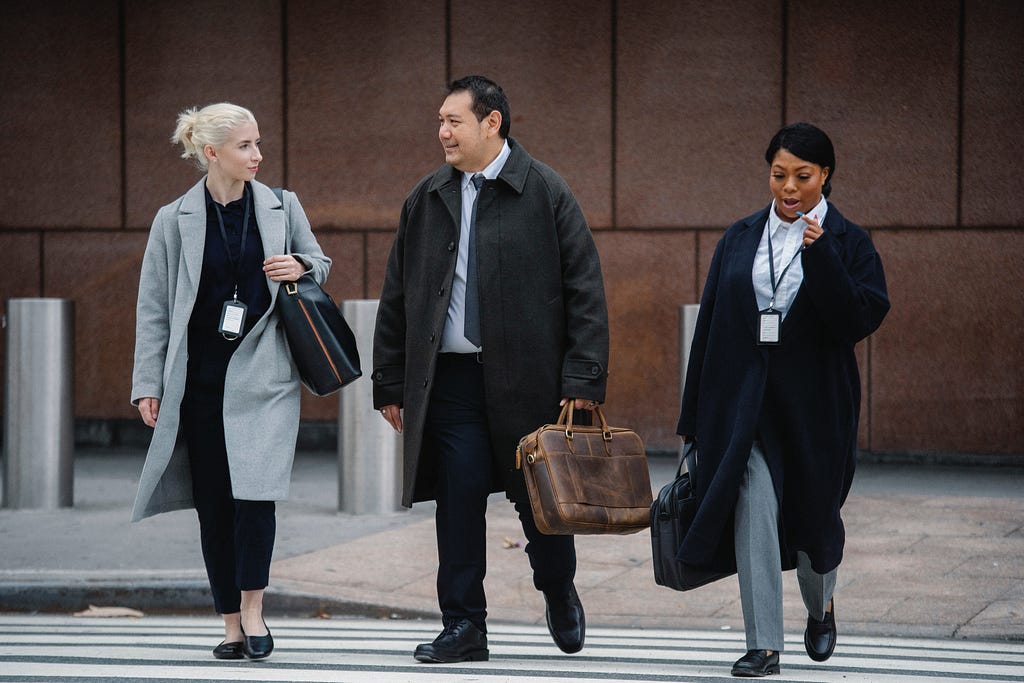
<point>565,418</point>
<point>688,460</point>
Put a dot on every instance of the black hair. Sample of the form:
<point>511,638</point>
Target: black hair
<point>806,142</point>
<point>487,97</point>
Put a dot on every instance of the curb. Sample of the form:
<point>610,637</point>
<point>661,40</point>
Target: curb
<point>191,598</point>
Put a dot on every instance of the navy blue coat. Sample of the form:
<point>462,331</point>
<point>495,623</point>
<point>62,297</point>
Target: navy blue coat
<point>801,398</point>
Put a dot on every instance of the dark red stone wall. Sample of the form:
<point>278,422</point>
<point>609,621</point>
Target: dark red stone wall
<point>656,113</point>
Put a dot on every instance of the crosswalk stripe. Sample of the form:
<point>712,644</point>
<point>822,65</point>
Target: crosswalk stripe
<point>66,650</point>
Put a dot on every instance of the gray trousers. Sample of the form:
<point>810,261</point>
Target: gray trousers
<point>759,563</point>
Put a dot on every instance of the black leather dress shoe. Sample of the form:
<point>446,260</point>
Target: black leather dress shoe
<point>232,650</point>
<point>460,641</point>
<point>756,663</point>
<point>258,647</point>
<point>820,636</point>
<point>566,622</point>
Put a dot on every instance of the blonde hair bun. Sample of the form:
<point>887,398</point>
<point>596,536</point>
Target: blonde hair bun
<point>211,125</point>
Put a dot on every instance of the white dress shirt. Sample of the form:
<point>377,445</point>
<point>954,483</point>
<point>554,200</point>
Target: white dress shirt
<point>787,238</point>
<point>453,338</point>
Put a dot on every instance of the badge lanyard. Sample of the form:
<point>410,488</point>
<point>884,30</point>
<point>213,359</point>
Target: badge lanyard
<point>769,329</point>
<point>232,317</point>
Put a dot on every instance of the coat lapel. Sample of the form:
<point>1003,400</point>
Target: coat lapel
<point>270,219</point>
<point>447,186</point>
<point>192,229</point>
<point>748,242</point>
<point>798,310</point>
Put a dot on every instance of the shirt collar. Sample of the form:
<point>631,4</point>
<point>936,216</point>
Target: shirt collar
<point>236,205</point>
<point>492,169</point>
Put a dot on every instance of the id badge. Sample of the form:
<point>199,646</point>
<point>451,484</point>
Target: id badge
<point>232,319</point>
<point>769,327</point>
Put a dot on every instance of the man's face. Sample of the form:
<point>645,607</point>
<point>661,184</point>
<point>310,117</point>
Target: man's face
<point>466,141</point>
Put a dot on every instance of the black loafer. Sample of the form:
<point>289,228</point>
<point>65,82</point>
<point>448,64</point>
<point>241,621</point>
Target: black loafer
<point>820,636</point>
<point>460,641</point>
<point>756,663</point>
<point>233,650</point>
<point>258,647</point>
<point>567,623</point>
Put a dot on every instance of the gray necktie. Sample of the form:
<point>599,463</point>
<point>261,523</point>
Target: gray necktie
<point>472,312</point>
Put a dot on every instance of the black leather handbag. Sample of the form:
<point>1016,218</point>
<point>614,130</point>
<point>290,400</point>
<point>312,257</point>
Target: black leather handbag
<point>672,513</point>
<point>320,339</point>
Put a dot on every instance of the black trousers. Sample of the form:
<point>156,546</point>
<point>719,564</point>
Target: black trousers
<point>457,428</point>
<point>237,536</point>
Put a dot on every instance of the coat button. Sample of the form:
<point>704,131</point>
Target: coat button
<point>440,291</point>
<point>595,370</point>
<point>424,384</point>
<point>451,246</point>
<point>378,376</point>
<point>432,337</point>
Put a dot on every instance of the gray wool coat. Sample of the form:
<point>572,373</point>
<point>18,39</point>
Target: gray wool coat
<point>544,320</point>
<point>262,387</point>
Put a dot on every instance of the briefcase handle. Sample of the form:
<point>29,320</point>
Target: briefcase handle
<point>565,419</point>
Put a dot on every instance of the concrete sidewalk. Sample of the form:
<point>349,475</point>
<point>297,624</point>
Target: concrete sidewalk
<point>931,551</point>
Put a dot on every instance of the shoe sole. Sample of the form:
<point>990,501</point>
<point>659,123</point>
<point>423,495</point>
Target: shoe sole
<point>472,656</point>
<point>752,674</point>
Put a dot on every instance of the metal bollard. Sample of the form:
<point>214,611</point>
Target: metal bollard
<point>369,450</point>
<point>39,403</point>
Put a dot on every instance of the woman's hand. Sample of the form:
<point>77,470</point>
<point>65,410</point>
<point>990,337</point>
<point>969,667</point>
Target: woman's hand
<point>149,408</point>
<point>813,230</point>
<point>285,268</point>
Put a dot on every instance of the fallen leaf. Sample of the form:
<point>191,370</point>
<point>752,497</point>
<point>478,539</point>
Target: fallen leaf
<point>95,611</point>
<point>509,542</point>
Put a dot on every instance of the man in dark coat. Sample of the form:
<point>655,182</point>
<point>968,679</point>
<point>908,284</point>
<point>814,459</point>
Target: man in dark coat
<point>492,315</point>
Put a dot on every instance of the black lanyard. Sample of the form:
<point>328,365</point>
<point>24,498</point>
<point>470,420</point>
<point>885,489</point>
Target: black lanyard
<point>237,264</point>
<point>771,267</point>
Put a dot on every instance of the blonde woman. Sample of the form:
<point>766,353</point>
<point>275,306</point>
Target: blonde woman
<point>212,373</point>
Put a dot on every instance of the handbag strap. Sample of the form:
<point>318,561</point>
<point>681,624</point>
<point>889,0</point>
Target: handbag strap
<point>279,192</point>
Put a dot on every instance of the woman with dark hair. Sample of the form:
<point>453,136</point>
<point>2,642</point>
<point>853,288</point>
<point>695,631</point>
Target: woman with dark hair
<point>772,396</point>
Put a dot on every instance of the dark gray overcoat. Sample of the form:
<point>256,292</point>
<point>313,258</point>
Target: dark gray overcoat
<point>544,321</point>
<point>801,398</point>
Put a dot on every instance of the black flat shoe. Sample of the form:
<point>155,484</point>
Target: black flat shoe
<point>233,650</point>
<point>820,636</point>
<point>258,647</point>
<point>756,663</point>
<point>567,623</point>
<point>460,641</point>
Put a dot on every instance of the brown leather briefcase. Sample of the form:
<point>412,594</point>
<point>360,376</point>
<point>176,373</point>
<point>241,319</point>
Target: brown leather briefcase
<point>586,480</point>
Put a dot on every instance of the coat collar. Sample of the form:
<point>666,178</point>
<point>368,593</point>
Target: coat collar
<point>750,238</point>
<point>270,220</point>
<point>446,181</point>
<point>514,172</point>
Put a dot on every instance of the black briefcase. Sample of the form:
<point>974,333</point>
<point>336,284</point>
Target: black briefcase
<point>672,513</point>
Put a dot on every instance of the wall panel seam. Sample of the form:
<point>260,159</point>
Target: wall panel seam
<point>960,75</point>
